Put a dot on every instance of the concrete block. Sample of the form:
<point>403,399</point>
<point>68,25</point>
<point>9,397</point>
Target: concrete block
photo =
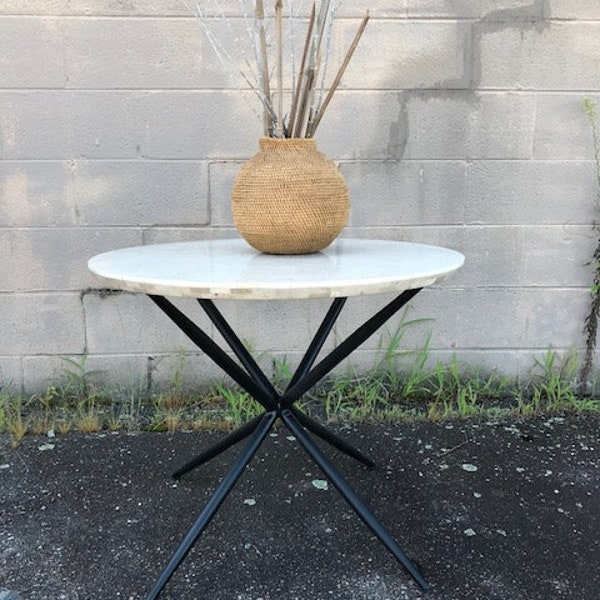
<point>509,256</point>
<point>11,374</point>
<point>171,8</point>
<point>199,124</point>
<point>450,236</point>
<point>141,193</point>
<point>378,9</point>
<point>458,125</point>
<point>405,192</point>
<point>121,323</point>
<point>365,126</point>
<point>527,256</point>
<point>455,237</point>
<point>483,363</point>
<point>301,10</point>
<point>195,371</point>
<point>477,363</point>
<point>563,56</point>
<point>574,9</point>
<point>395,54</point>
<point>65,125</point>
<point>122,375</point>
<point>562,129</point>
<point>45,259</point>
<point>221,178</point>
<point>531,192</point>
<point>151,53</point>
<point>108,8</point>
<point>162,235</point>
<point>476,9</point>
<point>275,325</point>
<point>360,308</point>
<point>37,194</point>
<point>116,374</point>
<point>526,318</point>
<point>32,55</point>
<point>503,363</point>
<point>478,319</point>
<point>517,365</point>
<point>47,323</point>
<point>506,256</point>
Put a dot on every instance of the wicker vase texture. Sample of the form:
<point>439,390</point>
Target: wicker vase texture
<point>290,198</point>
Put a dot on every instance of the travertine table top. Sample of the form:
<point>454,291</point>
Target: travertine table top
<point>231,269</point>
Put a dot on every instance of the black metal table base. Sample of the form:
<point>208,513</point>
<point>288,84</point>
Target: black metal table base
<point>251,378</point>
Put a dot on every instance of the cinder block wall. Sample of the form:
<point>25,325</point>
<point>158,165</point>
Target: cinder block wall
<point>459,122</point>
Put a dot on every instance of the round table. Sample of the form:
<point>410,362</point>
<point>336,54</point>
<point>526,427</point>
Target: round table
<point>230,269</point>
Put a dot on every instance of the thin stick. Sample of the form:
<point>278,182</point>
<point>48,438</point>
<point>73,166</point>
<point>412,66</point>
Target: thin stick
<point>323,68</point>
<point>264,101</point>
<point>317,60</point>
<point>321,24</point>
<point>296,98</point>
<point>310,77</point>
<point>266,88</point>
<point>338,77</point>
<point>279,21</point>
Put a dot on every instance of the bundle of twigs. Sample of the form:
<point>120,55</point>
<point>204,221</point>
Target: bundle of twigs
<point>308,100</point>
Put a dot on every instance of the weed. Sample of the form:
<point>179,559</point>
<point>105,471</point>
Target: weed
<point>386,394</point>
<point>551,387</point>
<point>391,350</point>
<point>79,378</point>
<point>178,372</point>
<point>88,423</point>
<point>88,418</point>
<point>128,417</point>
<point>15,424</point>
<point>355,397</point>
<point>173,420</point>
<point>414,385</point>
<point>241,406</point>
<point>3,403</point>
<point>282,373</point>
<point>63,427</point>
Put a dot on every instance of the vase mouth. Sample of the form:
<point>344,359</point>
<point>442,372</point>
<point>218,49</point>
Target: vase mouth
<point>269,143</point>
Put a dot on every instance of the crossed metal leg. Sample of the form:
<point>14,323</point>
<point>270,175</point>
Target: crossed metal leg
<point>252,379</point>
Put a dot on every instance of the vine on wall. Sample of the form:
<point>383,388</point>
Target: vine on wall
<point>591,322</point>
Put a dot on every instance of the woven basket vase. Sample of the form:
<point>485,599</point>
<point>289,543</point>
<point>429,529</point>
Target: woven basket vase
<point>289,198</point>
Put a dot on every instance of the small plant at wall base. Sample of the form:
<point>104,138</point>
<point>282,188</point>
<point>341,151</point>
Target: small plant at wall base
<point>591,321</point>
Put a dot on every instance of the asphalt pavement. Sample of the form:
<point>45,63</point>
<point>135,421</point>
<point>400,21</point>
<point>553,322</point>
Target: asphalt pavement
<point>486,509</point>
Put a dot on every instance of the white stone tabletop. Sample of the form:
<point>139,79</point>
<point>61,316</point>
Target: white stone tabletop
<point>231,269</point>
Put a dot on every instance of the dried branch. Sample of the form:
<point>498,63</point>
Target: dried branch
<point>323,69</point>
<point>324,13</point>
<point>308,85</point>
<point>279,24</point>
<point>266,88</point>
<point>315,123</point>
<point>226,58</point>
<point>301,74</point>
<point>266,102</point>
<point>304,102</point>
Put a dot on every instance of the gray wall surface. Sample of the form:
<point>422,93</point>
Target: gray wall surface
<point>459,123</point>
